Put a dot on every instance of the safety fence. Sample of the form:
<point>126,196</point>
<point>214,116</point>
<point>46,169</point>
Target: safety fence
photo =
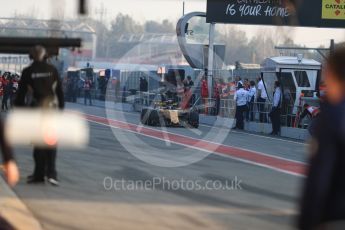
<point>260,113</point>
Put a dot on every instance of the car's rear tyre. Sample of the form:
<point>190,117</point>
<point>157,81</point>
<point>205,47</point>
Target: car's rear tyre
<point>193,119</point>
<point>153,118</point>
<point>149,117</point>
<point>144,116</point>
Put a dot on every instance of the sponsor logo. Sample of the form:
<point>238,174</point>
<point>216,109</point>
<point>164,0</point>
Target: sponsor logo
<point>333,9</point>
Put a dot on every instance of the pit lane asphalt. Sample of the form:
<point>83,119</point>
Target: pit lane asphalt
<point>267,199</point>
<point>265,144</point>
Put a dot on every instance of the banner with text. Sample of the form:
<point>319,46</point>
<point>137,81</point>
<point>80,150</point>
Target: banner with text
<point>308,13</point>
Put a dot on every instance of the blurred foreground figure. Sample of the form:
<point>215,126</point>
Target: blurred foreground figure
<point>10,166</point>
<point>323,204</point>
<point>42,81</point>
<point>10,169</point>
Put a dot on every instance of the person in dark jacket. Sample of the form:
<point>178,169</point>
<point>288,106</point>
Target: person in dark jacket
<point>323,201</point>
<point>7,94</point>
<point>43,82</point>
<point>275,112</point>
<point>14,89</point>
<point>87,91</point>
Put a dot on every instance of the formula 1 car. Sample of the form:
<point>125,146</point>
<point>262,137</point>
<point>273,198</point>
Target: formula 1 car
<point>168,114</point>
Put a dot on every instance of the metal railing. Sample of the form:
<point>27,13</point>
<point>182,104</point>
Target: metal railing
<point>260,112</point>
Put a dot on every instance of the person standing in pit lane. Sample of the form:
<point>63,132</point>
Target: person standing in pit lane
<point>261,100</point>
<point>14,90</point>
<point>251,100</point>
<point>87,91</point>
<point>241,98</point>
<point>276,111</point>
<point>204,94</point>
<point>7,86</point>
<point>45,85</point>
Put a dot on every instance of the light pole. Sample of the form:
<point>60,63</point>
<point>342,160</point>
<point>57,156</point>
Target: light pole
<point>183,9</point>
<point>210,60</point>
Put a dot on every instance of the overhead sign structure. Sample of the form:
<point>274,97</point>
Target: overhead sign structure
<point>23,45</point>
<point>307,13</point>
